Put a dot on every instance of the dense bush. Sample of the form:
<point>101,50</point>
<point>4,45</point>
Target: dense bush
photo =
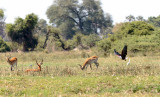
<point>104,46</point>
<point>3,46</point>
<point>138,35</point>
<point>90,41</point>
<point>138,28</point>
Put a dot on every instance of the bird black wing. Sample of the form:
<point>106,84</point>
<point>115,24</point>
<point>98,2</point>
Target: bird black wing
<point>115,52</point>
<point>124,52</point>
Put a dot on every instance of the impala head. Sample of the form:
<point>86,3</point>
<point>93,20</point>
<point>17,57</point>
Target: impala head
<point>8,57</point>
<point>39,64</point>
<point>81,67</point>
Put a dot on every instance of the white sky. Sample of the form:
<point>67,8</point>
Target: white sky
<point>119,9</point>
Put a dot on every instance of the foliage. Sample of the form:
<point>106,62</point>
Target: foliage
<point>138,35</point>
<point>67,29</point>
<point>134,28</point>
<point>3,46</point>
<point>104,46</point>
<point>55,39</point>
<point>1,14</point>
<point>2,23</point>
<point>41,27</point>
<point>72,16</point>
<point>90,40</point>
<point>130,18</point>
<point>137,43</point>
<point>154,21</point>
<point>22,31</point>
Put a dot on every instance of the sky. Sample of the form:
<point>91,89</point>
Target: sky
<point>118,9</point>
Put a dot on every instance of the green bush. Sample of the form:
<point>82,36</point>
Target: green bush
<point>137,43</point>
<point>138,28</point>
<point>3,46</point>
<point>90,41</point>
<point>104,46</point>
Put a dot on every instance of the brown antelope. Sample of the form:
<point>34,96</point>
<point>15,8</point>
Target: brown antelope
<point>38,69</point>
<point>89,61</point>
<point>12,61</point>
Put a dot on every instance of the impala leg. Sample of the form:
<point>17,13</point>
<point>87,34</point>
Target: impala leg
<point>11,67</point>
<point>97,64</point>
<point>86,66</point>
<point>91,66</point>
<point>16,65</point>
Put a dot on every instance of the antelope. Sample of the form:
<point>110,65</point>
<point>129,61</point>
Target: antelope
<point>38,69</point>
<point>12,61</point>
<point>89,61</point>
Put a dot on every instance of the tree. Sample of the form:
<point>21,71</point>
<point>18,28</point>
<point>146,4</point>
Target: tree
<point>154,21</point>
<point>2,23</point>
<point>55,33</point>
<point>130,18</point>
<point>140,18</point>
<point>85,17</point>
<point>67,29</point>
<point>22,31</point>
<point>41,27</point>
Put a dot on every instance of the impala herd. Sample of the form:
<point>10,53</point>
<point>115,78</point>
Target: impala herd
<point>93,59</point>
<point>13,62</point>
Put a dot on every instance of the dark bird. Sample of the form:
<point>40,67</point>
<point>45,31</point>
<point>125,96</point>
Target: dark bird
<point>123,54</point>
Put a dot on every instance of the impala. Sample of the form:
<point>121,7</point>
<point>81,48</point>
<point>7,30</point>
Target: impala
<point>12,61</point>
<point>89,61</point>
<point>38,69</point>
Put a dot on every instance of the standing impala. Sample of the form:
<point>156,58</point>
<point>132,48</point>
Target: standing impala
<point>12,61</point>
<point>89,61</point>
<point>38,69</point>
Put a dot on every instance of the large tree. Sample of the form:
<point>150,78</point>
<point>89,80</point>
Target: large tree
<point>85,16</point>
<point>41,27</point>
<point>2,23</point>
<point>22,31</point>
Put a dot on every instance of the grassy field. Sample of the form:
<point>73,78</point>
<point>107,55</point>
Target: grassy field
<point>61,76</point>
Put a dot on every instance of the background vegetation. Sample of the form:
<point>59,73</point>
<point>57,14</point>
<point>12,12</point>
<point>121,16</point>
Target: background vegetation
<point>76,25</point>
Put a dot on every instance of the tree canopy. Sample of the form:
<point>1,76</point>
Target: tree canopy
<point>22,31</point>
<point>86,17</point>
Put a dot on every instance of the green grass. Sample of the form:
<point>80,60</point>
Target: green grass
<point>61,76</point>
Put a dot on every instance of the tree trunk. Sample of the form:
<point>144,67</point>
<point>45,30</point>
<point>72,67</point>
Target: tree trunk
<point>45,42</point>
<point>25,47</point>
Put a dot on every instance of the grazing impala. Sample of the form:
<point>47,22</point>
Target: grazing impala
<point>89,61</point>
<point>38,69</point>
<point>12,61</point>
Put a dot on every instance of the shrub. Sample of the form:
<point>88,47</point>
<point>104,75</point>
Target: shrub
<point>104,46</point>
<point>3,46</point>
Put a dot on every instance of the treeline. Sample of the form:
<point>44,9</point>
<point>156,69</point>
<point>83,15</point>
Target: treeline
<point>79,24</point>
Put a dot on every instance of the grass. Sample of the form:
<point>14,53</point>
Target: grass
<point>61,76</point>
